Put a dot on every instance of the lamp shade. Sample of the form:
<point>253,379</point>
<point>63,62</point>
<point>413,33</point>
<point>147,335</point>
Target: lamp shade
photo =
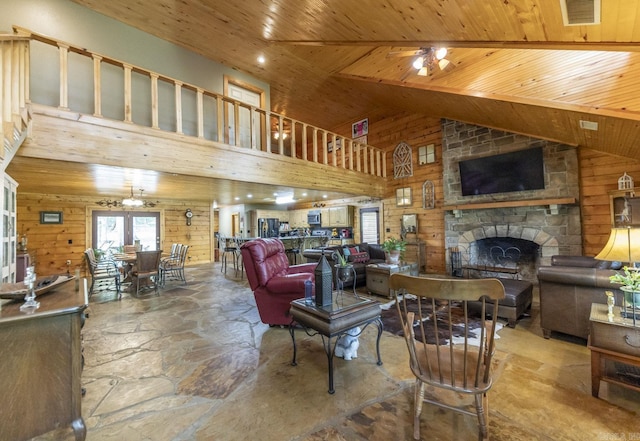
<point>623,246</point>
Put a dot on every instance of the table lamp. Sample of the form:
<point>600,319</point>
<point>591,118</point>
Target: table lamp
<point>624,246</point>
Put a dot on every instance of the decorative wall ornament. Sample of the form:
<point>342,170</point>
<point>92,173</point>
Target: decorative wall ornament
<point>402,161</point>
<point>625,182</point>
<point>428,195</point>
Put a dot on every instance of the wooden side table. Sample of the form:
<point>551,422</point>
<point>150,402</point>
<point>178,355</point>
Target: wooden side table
<point>613,339</point>
<point>378,276</point>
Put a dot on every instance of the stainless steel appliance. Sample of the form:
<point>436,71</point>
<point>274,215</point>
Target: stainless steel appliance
<point>313,217</point>
<point>269,227</point>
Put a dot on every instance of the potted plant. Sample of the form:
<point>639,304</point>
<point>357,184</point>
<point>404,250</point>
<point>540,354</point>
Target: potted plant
<point>344,269</point>
<point>394,249</point>
<point>629,278</point>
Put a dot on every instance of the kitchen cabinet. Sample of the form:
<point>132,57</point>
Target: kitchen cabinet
<point>337,216</point>
<point>298,219</point>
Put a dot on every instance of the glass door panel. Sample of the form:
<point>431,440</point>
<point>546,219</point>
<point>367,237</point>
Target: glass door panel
<point>112,230</point>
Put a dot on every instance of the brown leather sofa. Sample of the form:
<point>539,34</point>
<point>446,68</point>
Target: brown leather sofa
<point>376,255</point>
<point>568,288</point>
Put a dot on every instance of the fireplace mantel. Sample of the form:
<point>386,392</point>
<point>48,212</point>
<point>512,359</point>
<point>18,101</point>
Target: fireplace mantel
<point>507,204</point>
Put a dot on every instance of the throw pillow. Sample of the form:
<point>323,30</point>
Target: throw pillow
<point>361,257</point>
<point>354,250</point>
<point>346,252</point>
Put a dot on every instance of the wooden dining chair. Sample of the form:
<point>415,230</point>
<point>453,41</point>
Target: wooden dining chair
<point>147,266</point>
<point>431,308</point>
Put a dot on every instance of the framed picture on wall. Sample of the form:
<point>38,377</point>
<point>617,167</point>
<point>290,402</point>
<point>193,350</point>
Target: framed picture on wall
<point>51,217</point>
<point>360,128</point>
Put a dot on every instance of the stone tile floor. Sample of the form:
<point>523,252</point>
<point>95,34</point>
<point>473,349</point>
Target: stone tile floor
<point>196,363</point>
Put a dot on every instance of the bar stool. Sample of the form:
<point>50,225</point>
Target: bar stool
<point>293,252</point>
<point>228,250</point>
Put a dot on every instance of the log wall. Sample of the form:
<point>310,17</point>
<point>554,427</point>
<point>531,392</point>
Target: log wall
<point>51,245</point>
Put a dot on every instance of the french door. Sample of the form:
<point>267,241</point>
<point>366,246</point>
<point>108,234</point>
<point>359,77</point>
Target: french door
<point>112,230</point>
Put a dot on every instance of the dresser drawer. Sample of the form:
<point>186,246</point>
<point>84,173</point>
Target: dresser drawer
<point>622,339</point>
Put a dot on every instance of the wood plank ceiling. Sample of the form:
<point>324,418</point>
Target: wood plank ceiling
<point>514,64</point>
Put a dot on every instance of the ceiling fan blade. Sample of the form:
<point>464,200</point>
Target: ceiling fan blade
<point>405,53</point>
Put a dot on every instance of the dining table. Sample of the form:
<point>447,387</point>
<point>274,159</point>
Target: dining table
<point>126,261</point>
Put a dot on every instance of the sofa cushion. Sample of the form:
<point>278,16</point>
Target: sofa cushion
<point>360,257</point>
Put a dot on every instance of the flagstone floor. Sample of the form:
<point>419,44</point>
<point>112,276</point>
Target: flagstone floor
<point>196,363</point>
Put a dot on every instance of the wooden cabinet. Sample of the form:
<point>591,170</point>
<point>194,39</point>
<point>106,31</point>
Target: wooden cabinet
<point>9,233</point>
<point>298,219</point>
<point>41,364</point>
<point>337,216</point>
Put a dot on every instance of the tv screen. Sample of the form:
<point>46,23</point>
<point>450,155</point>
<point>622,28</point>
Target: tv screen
<point>507,172</point>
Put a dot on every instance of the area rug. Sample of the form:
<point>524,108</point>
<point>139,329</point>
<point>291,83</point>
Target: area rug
<point>391,322</point>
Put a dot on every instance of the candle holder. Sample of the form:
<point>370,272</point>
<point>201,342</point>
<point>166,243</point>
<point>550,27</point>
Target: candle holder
<point>30,304</point>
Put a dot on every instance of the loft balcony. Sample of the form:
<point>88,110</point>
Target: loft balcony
<point>94,109</point>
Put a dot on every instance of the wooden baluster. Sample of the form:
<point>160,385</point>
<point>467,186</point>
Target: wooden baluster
<point>154,101</point>
<point>252,127</point>
<point>315,144</point>
<point>220,119</point>
<point>178,94</point>
<point>324,147</point>
<point>280,135</point>
<point>97,85</point>
<point>303,142</point>
<point>236,124</point>
<point>127,93</point>
<point>267,136</point>
<point>200,110</point>
<point>64,70</point>
<point>293,139</point>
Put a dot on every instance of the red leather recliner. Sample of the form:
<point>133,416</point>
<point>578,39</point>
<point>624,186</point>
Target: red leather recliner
<point>274,283</point>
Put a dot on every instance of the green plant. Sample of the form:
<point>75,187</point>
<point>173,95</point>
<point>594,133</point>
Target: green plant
<point>340,259</point>
<point>629,278</point>
<point>393,244</point>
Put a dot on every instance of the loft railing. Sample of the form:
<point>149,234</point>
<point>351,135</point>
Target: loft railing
<point>191,110</point>
<point>14,93</point>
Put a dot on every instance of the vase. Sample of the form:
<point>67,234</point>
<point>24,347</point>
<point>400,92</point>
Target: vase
<point>393,256</point>
<point>631,298</point>
<point>343,272</point>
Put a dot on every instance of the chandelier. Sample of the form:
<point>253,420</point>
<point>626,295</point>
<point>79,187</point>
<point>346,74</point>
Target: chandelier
<point>129,202</point>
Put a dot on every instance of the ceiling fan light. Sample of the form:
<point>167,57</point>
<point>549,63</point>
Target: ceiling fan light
<point>441,53</point>
<point>418,63</point>
<point>423,72</point>
<point>443,63</point>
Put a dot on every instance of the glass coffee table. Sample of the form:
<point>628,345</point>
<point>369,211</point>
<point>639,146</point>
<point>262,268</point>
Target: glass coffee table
<point>331,322</point>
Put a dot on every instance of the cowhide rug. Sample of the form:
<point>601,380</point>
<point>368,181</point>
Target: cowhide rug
<point>392,324</point>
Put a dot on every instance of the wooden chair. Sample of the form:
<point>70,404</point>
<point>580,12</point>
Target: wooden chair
<point>147,267</point>
<point>459,367</point>
<point>102,270</point>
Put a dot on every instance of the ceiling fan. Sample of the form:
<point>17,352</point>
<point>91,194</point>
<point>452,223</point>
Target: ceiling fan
<point>427,58</point>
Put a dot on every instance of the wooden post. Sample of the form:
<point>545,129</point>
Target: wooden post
<point>178,94</point>
<point>200,111</point>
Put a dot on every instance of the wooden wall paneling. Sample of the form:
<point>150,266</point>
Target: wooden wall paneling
<point>599,173</point>
<point>49,245</point>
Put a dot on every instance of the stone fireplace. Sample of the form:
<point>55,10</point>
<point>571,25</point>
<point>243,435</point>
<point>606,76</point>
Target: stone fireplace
<point>509,234</point>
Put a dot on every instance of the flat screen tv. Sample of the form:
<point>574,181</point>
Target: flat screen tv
<point>507,172</point>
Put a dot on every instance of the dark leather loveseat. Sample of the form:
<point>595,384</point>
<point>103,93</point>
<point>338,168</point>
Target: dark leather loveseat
<point>375,255</point>
<point>568,288</point>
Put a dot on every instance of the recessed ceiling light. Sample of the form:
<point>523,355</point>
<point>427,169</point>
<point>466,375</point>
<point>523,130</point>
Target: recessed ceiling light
<point>261,59</point>
<point>324,196</point>
<point>304,194</point>
<point>249,196</point>
<point>237,198</point>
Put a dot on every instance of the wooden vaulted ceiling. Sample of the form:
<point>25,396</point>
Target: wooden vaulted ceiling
<point>515,65</point>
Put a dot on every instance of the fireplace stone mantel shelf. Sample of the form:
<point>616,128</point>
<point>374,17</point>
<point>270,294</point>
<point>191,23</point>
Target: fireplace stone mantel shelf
<point>507,204</point>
